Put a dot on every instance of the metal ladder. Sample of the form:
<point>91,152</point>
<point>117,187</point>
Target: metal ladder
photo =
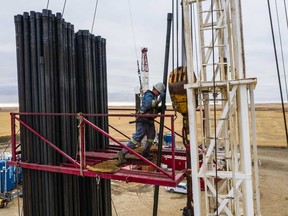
<point>222,88</point>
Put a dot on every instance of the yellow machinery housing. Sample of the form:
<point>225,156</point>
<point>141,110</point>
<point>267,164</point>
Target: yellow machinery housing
<point>177,80</point>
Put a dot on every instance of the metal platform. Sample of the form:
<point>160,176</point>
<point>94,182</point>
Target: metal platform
<point>165,178</point>
<point>77,166</point>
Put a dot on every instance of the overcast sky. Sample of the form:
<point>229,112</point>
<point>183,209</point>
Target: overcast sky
<point>125,36</point>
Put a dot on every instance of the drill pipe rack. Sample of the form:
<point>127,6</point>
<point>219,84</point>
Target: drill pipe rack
<point>78,166</point>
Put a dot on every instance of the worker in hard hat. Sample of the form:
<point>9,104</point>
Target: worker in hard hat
<point>145,125</point>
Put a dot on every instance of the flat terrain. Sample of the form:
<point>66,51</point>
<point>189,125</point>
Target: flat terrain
<point>137,199</point>
<point>270,130</point>
<point>273,178</point>
<point>130,199</point>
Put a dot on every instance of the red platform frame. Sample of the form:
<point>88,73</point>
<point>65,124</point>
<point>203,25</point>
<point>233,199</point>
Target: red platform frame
<point>78,166</point>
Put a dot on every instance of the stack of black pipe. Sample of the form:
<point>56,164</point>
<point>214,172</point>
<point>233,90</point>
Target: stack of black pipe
<point>60,71</point>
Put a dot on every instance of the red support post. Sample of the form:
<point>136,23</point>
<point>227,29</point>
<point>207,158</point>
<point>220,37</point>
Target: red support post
<point>48,142</point>
<point>13,136</point>
<point>173,148</point>
<point>82,142</point>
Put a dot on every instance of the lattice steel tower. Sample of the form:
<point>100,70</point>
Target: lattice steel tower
<point>144,70</point>
<point>225,124</point>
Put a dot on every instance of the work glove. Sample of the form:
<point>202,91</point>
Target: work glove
<point>160,98</point>
<point>159,108</point>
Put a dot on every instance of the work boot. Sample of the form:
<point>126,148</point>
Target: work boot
<point>121,158</point>
<point>146,151</point>
<point>147,155</point>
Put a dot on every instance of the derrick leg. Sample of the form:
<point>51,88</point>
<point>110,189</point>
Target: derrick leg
<point>188,210</point>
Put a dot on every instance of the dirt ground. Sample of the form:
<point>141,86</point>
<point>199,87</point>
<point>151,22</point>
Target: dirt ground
<point>137,199</point>
<point>130,199</point>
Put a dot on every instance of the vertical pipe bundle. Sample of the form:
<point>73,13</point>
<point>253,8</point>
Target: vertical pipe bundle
<point>60,71</point>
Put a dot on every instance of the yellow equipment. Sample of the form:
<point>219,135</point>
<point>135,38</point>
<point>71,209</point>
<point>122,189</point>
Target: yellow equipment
<point>177,80</point>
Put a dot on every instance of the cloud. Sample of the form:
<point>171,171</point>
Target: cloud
<point>144,25</point>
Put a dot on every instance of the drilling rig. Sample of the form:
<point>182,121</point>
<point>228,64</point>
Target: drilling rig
<point>216,100</point>
<point>143,78</point>
<point>144,70</point>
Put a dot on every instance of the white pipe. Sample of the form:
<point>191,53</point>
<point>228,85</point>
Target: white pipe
<point>191,99</point>
<point>245,151</point>
<point>255,153</point>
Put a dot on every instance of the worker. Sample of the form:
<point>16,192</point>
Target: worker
<point>145,125</point>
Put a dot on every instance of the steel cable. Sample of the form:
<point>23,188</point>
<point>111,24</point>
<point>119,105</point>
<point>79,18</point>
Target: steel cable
<point>47,6</point>
<point>64,8</point>
<point>277,66</point>
<point>281,46</point>
<point>285,8</point>
<point>133,31</point>
<point>94,15</point>
<point>135,48</point>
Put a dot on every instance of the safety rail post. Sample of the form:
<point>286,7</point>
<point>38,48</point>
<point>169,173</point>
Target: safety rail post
<point>43,138</point>
<point>13,136</point>
<point>124,146</point>
<point>81,127</point>
<point>173,147</point>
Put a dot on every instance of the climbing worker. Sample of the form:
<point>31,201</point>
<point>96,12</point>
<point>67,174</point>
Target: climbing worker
<point>145,125</point>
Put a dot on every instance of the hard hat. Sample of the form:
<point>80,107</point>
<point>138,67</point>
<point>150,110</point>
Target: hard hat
<point>160,87</point>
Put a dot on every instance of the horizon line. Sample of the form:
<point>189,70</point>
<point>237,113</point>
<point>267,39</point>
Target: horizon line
<point>124,103</point>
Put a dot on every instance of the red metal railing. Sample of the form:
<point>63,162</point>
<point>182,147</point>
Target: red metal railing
<point>82,122</point>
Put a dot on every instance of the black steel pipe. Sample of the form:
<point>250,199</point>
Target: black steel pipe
<point>55,69</point>
<point>161,127</point>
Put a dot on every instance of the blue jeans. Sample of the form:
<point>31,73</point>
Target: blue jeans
<point>142,128</point>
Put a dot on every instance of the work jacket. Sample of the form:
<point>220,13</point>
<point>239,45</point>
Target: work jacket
<point>149,104</point>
